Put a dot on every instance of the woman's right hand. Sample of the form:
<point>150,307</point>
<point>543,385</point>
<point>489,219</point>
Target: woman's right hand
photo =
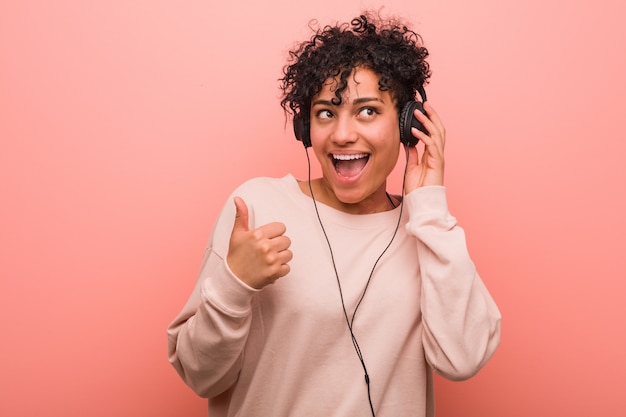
<point>259,256</point>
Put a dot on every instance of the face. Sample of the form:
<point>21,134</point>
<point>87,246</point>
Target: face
<point>356,143</point>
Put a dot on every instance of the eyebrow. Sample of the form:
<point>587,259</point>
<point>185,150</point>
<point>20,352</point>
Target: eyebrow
<point>357,101</point>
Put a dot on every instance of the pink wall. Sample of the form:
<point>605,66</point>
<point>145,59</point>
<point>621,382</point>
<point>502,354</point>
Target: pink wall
<point>125,124</point>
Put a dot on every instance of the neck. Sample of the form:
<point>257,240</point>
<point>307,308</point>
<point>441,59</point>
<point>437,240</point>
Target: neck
<point>378,202</point>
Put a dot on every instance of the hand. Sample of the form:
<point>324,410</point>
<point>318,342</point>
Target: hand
<point>427,170</point>
<point>257,257</point>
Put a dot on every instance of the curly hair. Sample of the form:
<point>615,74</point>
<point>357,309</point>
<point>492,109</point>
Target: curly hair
<point>387,47</point>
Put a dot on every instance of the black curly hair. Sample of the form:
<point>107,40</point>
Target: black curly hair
<point>385,46</point>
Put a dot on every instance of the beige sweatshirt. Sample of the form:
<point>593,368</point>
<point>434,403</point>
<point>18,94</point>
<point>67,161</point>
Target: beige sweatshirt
<point>286,350</point>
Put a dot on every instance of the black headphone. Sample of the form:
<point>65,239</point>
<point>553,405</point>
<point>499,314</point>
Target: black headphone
<point>302,122</point>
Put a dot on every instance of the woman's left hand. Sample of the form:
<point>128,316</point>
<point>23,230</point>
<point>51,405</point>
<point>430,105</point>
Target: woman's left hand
<point>427,170</point>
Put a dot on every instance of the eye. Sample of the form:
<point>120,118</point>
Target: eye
<point>368,112</point>
<point>324,114</point>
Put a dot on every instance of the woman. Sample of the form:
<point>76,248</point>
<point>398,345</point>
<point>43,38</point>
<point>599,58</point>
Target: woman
<point>370,293</point>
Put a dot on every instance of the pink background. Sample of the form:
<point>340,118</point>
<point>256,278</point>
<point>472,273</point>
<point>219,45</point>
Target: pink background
<point>124,125</point>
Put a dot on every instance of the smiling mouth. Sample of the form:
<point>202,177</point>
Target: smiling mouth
<point>350,165</point>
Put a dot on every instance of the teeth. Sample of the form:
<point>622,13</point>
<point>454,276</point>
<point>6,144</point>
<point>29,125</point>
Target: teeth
<point>350,157</point>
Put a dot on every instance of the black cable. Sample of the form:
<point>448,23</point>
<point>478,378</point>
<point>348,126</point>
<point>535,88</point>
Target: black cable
<point>350,322</point>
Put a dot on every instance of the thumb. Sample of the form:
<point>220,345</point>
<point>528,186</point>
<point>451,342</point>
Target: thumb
<point>241,215</point>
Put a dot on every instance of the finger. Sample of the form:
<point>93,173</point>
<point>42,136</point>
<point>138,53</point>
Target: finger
<point>271,230</point>
<point>432,152</point>
<point>241,215</point>
<point>429,141</point>
<point>436,121</point>
<point>433,116</point>
<point>280,244</point>
<point>435,138</point>
<point>283,258</point>
<point>430,119</point>
<point>426,123</point>
<point>279,272</point>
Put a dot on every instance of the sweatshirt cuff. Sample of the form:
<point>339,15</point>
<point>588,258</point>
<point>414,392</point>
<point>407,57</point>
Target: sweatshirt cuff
<point>428,200</point>
<point>227,292</point>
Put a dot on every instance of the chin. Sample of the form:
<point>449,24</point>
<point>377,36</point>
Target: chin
<point>350,195</point>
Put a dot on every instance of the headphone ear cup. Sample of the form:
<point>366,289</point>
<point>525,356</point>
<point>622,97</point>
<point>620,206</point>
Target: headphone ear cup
<point>408,120</point>
<point>301,129</point>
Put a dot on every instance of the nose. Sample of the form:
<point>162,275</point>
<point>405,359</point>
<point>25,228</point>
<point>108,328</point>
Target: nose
<point>344,131</point>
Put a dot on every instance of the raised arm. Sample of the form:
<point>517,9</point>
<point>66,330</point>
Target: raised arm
<point>461,320</point>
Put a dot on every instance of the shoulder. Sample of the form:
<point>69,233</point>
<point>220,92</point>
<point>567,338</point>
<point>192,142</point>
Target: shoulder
<point>262,185</point>
<point>262,195</point>
<point>262,192</point>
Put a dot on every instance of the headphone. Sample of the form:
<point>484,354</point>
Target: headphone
<point>302,122</point>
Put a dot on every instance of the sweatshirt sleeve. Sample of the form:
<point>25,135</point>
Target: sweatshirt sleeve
<point>461,320</point>
<point>206,340</point>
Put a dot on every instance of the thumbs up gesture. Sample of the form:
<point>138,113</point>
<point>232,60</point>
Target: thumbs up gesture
<point>259,256</point>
